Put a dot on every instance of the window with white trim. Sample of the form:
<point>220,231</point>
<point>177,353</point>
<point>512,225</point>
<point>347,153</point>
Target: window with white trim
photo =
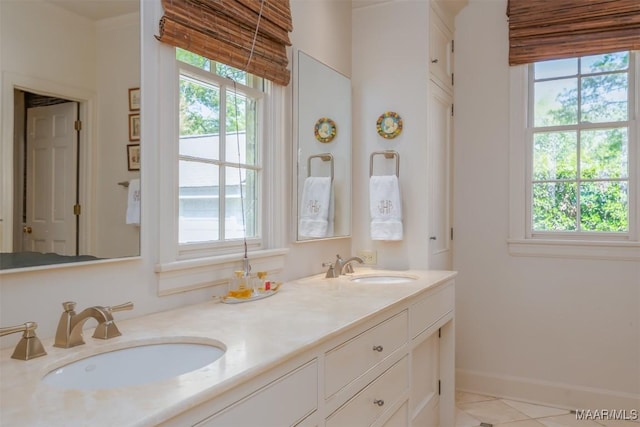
<point>575,165</point>
<point>220,161</point>
<point>579,119</point>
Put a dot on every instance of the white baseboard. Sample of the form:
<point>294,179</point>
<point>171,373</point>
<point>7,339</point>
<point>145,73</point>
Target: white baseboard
<point>548,393</point>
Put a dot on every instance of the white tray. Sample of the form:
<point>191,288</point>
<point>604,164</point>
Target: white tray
<point>256,296</point>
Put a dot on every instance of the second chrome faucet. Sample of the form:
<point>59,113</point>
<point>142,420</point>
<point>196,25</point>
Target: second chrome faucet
<point>69,332</point>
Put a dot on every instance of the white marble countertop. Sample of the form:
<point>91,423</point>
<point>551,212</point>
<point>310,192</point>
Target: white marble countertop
<point>258,335</point>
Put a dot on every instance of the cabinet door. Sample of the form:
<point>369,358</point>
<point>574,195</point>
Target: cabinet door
<point>425,375</point>
<point>439,152</point>
<point>440,52</point>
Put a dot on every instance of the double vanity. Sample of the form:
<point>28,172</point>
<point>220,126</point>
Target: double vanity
<point>373,348</point>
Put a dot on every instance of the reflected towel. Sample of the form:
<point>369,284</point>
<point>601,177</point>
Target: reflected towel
<point>315,207</point>
<point>385,207</point>
<point>133,202</point>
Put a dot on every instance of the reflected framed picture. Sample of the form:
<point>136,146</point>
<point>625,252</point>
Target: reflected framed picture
<point>134,127</point>
<point>134,99</point>
<point>133,157</point>
<point>325,130</point>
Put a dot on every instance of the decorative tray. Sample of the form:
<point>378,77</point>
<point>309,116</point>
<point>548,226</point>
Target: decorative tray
<point>260,294</point>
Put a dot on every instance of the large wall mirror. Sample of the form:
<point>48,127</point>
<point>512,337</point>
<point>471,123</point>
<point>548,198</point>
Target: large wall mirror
<point>70,131</point>
<point>322,112</point>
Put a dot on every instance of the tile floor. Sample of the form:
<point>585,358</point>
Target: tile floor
<point>474,410</point>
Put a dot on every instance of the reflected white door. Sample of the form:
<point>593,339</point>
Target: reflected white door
<point>440,137</point>
<point>51,178</point>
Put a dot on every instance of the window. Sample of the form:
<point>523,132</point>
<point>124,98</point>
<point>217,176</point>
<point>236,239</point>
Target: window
<point>574,143</point>
<point>580,145</point>
<point>220,166</point>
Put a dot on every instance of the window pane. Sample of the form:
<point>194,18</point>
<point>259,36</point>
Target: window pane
<point>616,61</point>
<point>556,102</point>
<point>604,206</point>
<point>554,206</point>
<point>199,196</point>
<point>241,129</point>
<point>201,146</point>
<point>556,68</point>
<point>232,73</point>
<point>235,227</point>
<point>554,155</point>
<point>605,154</point>
<point>193,59</point>
<point>604,98</point>
<point>199,108</point>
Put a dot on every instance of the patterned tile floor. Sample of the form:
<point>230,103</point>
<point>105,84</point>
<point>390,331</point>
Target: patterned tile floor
<point>475,410</point>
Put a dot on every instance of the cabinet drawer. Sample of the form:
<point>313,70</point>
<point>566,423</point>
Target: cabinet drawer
<point>353,358</point>
<point>373,400</point>
<point>426,312</point>
<point>283,402</point>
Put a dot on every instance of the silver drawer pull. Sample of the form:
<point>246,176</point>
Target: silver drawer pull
<point>378,402</point>
<point>377,348</point>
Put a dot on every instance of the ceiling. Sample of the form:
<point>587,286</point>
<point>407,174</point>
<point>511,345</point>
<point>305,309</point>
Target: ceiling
<point>98,9</point>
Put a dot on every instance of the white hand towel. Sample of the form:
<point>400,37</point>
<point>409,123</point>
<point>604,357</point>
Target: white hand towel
<point>133,202</point>
<point>315,207</point>
<point>385,207</point>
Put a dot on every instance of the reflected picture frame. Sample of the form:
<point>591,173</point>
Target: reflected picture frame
<point>134,99</point>
<point>134,127</point>
<point>133,157</point>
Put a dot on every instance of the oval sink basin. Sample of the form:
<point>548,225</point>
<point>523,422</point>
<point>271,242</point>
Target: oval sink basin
<point>387,278</point>
<point>133,366</point>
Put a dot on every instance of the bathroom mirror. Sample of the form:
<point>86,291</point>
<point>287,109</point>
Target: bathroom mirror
<point>322,107</point>
<point>67,68</point>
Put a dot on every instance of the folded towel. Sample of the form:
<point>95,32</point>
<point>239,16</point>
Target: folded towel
<point>385,208</point>
<point>315,207</point>
<point>133,202</point>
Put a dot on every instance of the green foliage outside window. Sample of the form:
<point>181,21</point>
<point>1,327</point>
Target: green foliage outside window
<point>580,145</point>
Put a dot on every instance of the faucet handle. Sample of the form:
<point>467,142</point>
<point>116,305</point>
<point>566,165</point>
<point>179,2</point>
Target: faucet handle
<point>29,347</point>
<point>120,307</point>
<point>106,330</point>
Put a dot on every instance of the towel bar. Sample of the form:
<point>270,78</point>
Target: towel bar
<point>325,157</point>
<point>388,154</point>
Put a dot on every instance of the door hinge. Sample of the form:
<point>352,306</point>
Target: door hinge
<point>451,110</point>
<point>439,332</point>
<point>451,79</point>
<point>439,387</point>
<point>453,44</point>
<point>77,125</point>
<point>451,233</point>
<point>77,209</point>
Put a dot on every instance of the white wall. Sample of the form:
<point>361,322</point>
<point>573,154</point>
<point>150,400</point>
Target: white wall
<point>390,73</point>
<point>37,295</point>
<point>559,331</point>
<point>117,69</point>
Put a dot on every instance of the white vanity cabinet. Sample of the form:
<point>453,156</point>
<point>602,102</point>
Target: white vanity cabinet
<point>395,369</point>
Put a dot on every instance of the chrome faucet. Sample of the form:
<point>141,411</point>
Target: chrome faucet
<point>69,332</point>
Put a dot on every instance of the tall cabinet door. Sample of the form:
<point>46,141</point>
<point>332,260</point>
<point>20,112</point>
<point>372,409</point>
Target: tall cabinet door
<point>440,137</point>
<point>440,143</point>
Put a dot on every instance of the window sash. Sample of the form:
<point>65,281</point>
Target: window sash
<point>187,250</point>
<point>632,175</point>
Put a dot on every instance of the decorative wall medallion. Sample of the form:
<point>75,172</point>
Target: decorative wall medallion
<point>389,125</point>
<point>325,130</point>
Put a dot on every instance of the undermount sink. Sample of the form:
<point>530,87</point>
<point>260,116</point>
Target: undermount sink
<point>133,366</point>
<point>384,278</point>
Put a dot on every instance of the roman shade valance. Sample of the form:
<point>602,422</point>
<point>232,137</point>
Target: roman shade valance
<point>553,29</point>
<point>225,31</point>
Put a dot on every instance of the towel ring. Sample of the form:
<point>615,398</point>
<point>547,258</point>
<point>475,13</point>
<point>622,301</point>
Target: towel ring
<point>388,154</point>
<point>325,157</point>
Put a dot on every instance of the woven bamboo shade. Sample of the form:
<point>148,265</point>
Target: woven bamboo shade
<point>224,30</point>
<point>553,29</point>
